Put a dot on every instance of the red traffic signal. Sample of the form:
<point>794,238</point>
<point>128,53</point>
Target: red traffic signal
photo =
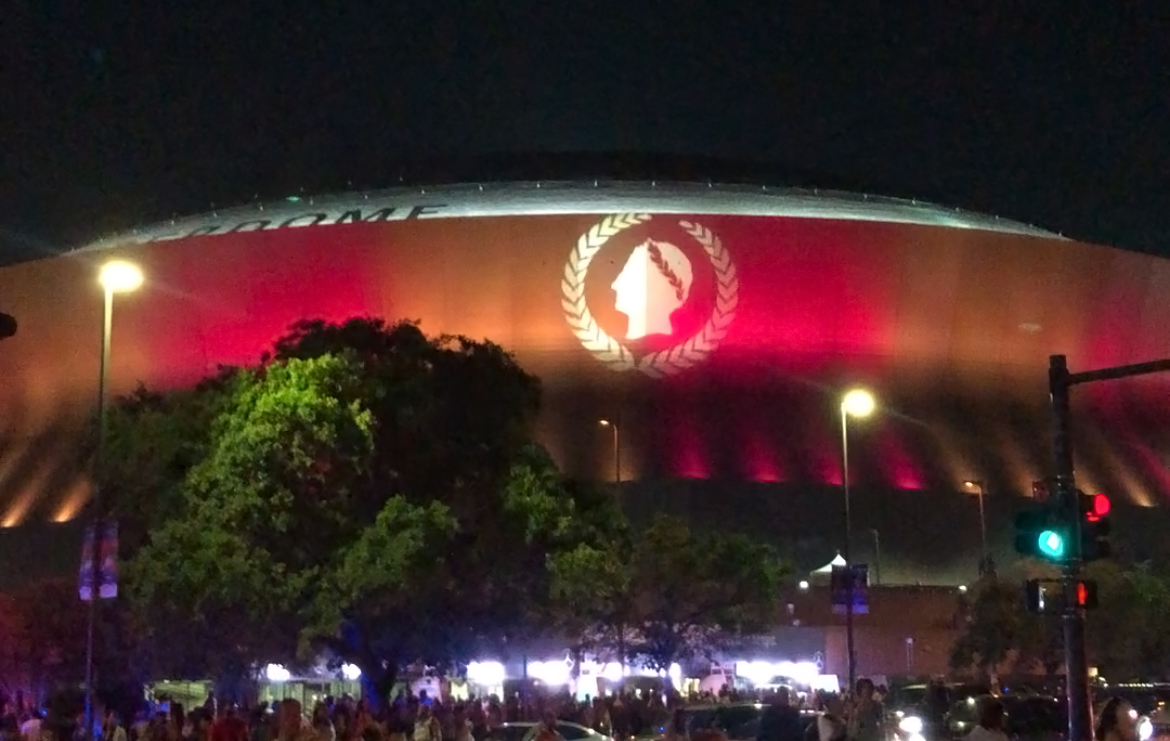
<point>1095,526</point>
<point>1085,594</point>
<point>1098,509</point>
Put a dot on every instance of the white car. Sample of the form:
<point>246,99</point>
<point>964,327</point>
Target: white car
<point>526,731</point>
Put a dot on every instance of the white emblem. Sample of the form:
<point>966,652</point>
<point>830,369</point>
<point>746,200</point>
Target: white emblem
<point>656,280</point>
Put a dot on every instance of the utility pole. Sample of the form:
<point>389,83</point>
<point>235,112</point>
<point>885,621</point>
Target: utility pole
<point>1076,665</point>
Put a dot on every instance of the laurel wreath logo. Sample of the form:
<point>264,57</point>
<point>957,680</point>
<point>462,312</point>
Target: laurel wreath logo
<point>613,353</point>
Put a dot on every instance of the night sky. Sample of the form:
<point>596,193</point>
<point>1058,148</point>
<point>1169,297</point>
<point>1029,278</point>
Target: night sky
<point>112,118</point>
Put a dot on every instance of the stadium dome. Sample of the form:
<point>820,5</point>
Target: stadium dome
<point>717,325</point>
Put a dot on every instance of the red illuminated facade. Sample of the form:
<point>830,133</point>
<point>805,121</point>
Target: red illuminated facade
<point>716,325</point>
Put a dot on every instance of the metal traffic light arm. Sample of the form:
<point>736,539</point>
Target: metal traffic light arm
<point>1076,665</point>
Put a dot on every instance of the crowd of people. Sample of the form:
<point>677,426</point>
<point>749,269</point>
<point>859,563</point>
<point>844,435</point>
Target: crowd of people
<point>783,716</point>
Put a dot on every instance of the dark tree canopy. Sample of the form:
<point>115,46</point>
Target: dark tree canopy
<point>360,480</point>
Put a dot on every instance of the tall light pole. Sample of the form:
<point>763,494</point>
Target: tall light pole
<point>617,449</point>
<point>877,555</point>
<point>980,491</point>
<point>115,277</point>
<point>856,403</point>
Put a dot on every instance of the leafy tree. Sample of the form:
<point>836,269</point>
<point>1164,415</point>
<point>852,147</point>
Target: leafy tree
<point>1000,632</point>
<point>681,594</point>
<point>1125,633</point>
<point>361,481</point>
<point>691,592</point>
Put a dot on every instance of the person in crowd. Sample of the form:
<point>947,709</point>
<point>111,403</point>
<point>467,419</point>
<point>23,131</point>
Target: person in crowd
<point>112,729</point>
<point>990,724</point>
<point>426,726</point>
<point>676,728</point>
<point>546,730</point>
<point>830,724</point>
<point>780,721</point>
<point>322,725</point>
<point>30,726</point>
<point>1117,721</point>
<point>229,726</point>
<point>867,716</point>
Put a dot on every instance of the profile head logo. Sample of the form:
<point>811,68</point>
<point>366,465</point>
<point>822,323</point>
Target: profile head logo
<point>654,282</point>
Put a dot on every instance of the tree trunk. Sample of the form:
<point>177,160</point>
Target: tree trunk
<point>377,683</point>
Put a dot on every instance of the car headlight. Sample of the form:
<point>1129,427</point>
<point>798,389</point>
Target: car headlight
<point>1145,729</point>
<point>912,725</point>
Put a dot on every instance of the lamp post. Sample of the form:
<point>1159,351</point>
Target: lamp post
<point>856,403</point>
<point>877,555</point>
<point>115,277</point>
<point>617,450</point>
<point>980,491</point>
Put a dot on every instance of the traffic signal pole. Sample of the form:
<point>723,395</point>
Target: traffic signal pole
<point>1072,617</point>
<point>1076,665</point>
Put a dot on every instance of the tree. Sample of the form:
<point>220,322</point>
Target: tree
<point>680,594</point>
<point>1125,633</point>
<point>1000,632</point>
<point>359,482</point>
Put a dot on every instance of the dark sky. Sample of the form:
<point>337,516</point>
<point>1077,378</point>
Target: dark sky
<point>111,117</point>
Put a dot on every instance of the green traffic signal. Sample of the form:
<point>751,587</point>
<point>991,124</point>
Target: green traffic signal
<point>1041,534</point>
<point>1051,544</point>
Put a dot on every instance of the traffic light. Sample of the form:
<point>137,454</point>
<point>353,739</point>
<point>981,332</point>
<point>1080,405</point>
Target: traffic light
<point>1041,535</point>
<point>1050,597</point>
<point>1085,594</point>
<point>1095,526</point>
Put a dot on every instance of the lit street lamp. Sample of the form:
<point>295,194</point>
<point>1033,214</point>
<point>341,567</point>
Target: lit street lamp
<point>116,276</point>
<point>617,450</point>
<point>856,403</point>
<point>980,491</point>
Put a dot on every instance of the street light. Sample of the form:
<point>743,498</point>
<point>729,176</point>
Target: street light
<point>617,450</point>
<point>856,403</point>
<point>116,276</point>
<point>981,491</point>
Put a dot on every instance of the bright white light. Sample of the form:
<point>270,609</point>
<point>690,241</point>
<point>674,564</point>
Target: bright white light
<point>963,588</point>
<point>910,724</point>
<point>612,672</point>
<point>351,672</point>
<point>763,672</point>
<point>803,585</point>
<point>555,673</point>
<point>675,673</point>
<point>118,276</point>
<point>486,673</point>
<point>277,673</point>
<point>858,403</point>
<point>1145,729</point>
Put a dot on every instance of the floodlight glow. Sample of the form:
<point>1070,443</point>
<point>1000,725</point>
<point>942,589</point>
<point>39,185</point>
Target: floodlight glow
<point>277,673</point>
<point>555,673</point>
<point>351,672</point>
<point>486,673</point>
<point>858,403</point>
<point>118,276</point>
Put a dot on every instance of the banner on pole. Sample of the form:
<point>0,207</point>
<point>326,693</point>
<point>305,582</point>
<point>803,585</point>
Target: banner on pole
<point>107,562</point>
<point>842,576</point>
